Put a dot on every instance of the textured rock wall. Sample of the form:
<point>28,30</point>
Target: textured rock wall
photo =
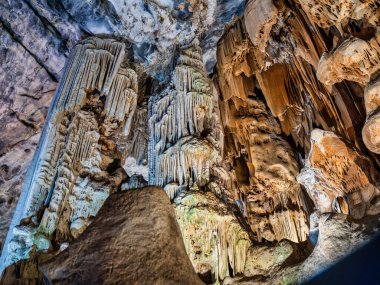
<point>231,151</point>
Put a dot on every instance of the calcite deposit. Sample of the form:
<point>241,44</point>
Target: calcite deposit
<point>78,163</point>
<point>339,178</point>
<point>258,120</point>
<point>266,166</point>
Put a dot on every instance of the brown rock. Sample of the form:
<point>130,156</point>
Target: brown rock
<point>355,60</point>
<point>134,239</point>
<point>266,167</point>
<point>371,129</point>
<point>338,177</point>
<point>260,16</point>
<point>327,13</point>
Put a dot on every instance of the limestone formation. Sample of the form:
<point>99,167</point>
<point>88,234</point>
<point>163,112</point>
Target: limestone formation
<point>179,152</point>
<point>327,13</point>
<point>371,129</point>
<point>355,60</point>
<point>285,69</point>
<point>339,178</point>
<point>259,18</point>
<point>210,230</point>
<point>76,166</point>
<point>218,102</point>
<point>266,167</point>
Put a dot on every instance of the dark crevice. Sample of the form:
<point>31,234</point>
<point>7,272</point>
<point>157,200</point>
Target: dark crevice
<point>49,26</point>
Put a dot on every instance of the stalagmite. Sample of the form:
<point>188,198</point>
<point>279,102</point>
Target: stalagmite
<point>70,177</point>
<point>178,117</point>
<point>213,238</point>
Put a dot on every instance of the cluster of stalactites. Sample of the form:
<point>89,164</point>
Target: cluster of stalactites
<point>93,65</point>
<point>266,190</point>
<point>178,116</point>
<point>80,147</point>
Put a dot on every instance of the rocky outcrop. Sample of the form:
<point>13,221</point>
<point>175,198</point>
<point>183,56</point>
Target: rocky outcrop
<point>112,250</point>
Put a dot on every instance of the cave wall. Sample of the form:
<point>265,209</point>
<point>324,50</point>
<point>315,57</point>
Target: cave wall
<point>256,149</point>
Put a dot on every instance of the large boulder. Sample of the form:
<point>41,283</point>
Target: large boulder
<point>134,239</point>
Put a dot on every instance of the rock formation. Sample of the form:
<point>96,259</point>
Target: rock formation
<point>265,168</point>
<point>210,230</point>
<point>339,178</point>
<point>371,128</point>
<point>78,163</point>
<point>259,119</point>
<point>179,152</point>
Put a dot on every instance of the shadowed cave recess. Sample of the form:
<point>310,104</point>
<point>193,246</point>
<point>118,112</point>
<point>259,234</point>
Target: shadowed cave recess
<point>187,141</point>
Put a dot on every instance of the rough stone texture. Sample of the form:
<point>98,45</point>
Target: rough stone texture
<point>265,260</point>
<point>266,188</point>
<point>327,13</point>
<point>272,86</point>
<point>338,178</point>
<point>371,129</point>
<point>26,90</point>
<point>338,236</point>
<point>124,246</point>
<point>210,230</point>
<point>259,17</point>
<point>355,60</point>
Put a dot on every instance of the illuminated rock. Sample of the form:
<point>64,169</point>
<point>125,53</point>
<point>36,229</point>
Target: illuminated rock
<point>339,178</point>
<point>70,176</point>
